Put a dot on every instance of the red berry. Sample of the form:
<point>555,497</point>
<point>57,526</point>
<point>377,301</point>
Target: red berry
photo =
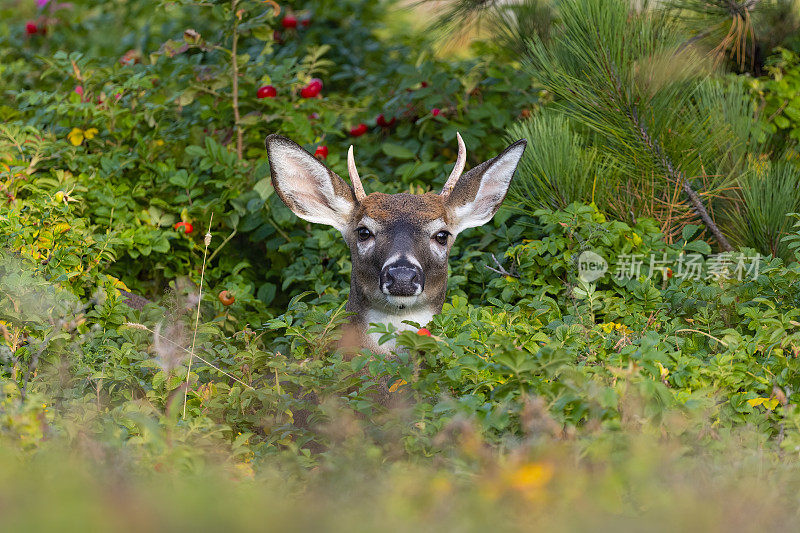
<point>315,82</point>
<point>383,123</point>
<point>289,21</point>
<point>436,111</point>
<point>424,84</point>
<point>79,90</point>
<point>187,227</point>
<point>322,152</point>
<point>312,89</point>
<point>424,331</point>
<point>305,22</point>
<point>359,130</point>
<point>226,298</point>
<point>309,92</point>
<point>267,91</point>
<point>30,28</point>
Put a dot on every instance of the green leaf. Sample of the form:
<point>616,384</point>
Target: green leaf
<point>782,122</point>
<point>186,97</point>
<point>264,188</point>
<point>397,151</point>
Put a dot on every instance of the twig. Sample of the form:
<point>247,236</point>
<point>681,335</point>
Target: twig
<point>135,325</point>
<point>235,87</point>
<point>221,246</point>
<point>725,344</point>
<point>207,242</point>
<point>500,270</point>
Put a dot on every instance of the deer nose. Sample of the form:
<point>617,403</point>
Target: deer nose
<point>402,280</point>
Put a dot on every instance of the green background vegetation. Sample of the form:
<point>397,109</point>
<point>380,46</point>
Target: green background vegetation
<point>540,400</point>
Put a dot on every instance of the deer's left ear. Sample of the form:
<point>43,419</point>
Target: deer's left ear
<point>478,193</point>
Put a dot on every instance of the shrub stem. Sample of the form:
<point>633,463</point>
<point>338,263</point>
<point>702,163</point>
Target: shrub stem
<point>235,82</point>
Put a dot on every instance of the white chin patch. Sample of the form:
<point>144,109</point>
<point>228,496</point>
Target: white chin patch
<point>402,302</point>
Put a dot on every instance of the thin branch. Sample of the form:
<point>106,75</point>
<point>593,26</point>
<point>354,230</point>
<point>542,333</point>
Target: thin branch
<point>725,344</point>
<point>235,88</point>
<point>221,246</point>
<point>500,269</point>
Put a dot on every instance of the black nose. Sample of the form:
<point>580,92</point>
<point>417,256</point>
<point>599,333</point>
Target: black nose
<point>402,279</point>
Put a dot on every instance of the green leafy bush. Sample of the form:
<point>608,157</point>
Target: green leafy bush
<point>538,389</point>
<point>779,94</point>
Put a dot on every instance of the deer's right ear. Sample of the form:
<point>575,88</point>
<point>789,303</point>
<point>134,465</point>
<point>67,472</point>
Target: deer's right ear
<point>307,187</point>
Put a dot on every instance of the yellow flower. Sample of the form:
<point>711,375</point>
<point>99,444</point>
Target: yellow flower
<point>608,327</point>
<point>77,135</point>
<point>622,328</point>
<point>530,480</point>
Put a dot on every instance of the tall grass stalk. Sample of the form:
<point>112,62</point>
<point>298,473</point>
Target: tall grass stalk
<point>207,242</point>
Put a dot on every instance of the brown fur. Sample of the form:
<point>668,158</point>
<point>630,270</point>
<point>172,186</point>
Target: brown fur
<point>416,209</point>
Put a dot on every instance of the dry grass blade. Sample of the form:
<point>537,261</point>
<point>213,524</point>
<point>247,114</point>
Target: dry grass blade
<point>684,330</point>
<point>207,242</point>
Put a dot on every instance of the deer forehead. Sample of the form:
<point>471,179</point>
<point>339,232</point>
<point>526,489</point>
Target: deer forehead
<point>417,210</point>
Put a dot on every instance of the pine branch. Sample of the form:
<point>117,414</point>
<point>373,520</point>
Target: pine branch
<point>663,160</point>
<point>679,177</point>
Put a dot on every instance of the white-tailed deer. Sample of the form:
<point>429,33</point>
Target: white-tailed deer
<point>399,243</point>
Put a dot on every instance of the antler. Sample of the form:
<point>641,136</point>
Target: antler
<point>351,168</point>
<point>458,168</point>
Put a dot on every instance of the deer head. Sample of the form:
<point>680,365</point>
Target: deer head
<point>399,243</point>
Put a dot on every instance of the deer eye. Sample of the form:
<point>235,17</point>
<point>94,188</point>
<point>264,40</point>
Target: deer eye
<point>363,234</point>
<point>441,237</point>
